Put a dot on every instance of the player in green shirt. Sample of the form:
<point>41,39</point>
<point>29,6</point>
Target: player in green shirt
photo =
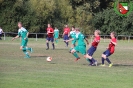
<point>73,35</point>
<point>56,34</point>
<point>81,47</point>
<point>23,33</point>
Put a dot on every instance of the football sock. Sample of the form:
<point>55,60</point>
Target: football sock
<point>48,45</point>
<point>56,41</point>
<point>53,46</point>
<point>24,49</point>
<point>102,60</point>
<point>93,60</point>
<point>76,55</point>
<point>26,53</point>
<point>71,49</point>
<point>67,43</point>
<point>107,59</point>
<point>89,60</point>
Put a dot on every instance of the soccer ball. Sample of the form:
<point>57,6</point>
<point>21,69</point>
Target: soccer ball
<point>49,59</point>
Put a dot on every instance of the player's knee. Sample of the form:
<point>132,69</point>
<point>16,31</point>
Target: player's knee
<point>88,56</point>
<point>21,48</point>
<point>72,51</point>
<point>104,56</point>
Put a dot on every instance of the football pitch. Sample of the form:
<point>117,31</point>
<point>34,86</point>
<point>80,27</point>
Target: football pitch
<point>63,71</point>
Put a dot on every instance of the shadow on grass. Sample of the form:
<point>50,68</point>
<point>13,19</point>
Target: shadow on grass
<point>62,49</point>
<point>39,56</point>
<point>115,65</point>
<point>128,65</point>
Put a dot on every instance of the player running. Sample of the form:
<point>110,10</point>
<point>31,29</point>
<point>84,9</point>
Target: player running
<point>66,34</point>
<point>81,47</point>
<point>110,50</point>
<point>93,48</point>
<point>56,34</point>
<point>50,36</point>
<point>23,33</point>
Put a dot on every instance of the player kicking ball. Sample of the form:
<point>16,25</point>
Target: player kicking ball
<point>81,47</point>
<point>23,33</point>
<point>110,50</point>
<point>93,48</point>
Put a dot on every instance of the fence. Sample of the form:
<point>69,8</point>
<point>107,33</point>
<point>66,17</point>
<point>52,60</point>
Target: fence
<point>104,38</point>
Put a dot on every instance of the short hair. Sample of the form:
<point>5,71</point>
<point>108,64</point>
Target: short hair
<point>114,33</point>
<point>73,26</point>
<point>77,29</point>
<point>20,23</point>
<point>98,31</point>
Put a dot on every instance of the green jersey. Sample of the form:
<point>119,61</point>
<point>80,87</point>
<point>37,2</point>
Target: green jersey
<point>80,38</point>
<point>72,34</point>
<point>56,33</point>
<point>22,32</point>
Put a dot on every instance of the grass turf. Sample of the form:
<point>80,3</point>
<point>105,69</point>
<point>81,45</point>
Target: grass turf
<point>63,72</point>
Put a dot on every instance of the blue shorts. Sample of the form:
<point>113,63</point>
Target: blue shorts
<point>91,50</point>
<point>66,37</point>
<point>50,39</point>
<point>107,53</point>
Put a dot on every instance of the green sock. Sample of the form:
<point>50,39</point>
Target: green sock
<point>71,49</point>
<point>56,41</point>
<point>76,55</point>
<point>28,48</point>
<point>24,49</point>
<point>88,60</point>
<point>25,52</point>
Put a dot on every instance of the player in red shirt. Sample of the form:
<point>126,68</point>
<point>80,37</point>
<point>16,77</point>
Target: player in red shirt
<point>50,36</point>
<point>93,48</point>
<point>66,34</point>
<point>110,50</point>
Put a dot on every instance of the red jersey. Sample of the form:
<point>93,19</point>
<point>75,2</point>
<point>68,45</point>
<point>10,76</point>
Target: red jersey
<point>66,30</point>
<point>96,41</point>
<point>112,46</point>
<point>50,29</point>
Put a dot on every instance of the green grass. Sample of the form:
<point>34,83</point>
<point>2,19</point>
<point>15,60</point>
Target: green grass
<point>63,72</point>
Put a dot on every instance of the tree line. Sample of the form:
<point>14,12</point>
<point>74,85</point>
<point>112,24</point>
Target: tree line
<point>85,14</point>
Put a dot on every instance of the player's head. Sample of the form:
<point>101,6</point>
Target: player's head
<point>97,32</point>
<point>73,28</point>
<point>77,30</point>
<point>19,24</point>
<point>55,27</point>
<point>66,25</point>
<point>49,25</point>
<point>112,34</point>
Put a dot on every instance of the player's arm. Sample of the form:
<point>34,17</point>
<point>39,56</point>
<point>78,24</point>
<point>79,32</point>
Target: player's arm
<point>51,32</point>
<point>87,41</point>
<point>15,37</point>
<point>70,40</point>
<point>114,42</point>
